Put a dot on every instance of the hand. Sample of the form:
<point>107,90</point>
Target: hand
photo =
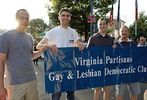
<point>81,46</point>
<point>54,48</point>
<point>45,46</point>
<point>114,46</point>
<point>3,93</point>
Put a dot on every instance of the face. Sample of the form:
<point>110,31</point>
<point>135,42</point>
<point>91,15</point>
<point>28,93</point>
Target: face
<point>124,32</point>
<point>102,26</point>
<point>64,18</point>
<point>23,19</point>
<point>142,40</point>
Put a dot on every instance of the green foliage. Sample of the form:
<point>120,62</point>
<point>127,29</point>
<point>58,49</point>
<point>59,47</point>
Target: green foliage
<point>80,10</point>
<point>141,26</point>
<point>36,27</point>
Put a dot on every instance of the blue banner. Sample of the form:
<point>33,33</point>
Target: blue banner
<point>72,69</point>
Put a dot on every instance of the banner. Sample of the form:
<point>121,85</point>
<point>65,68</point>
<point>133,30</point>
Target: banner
<point>72,69</point>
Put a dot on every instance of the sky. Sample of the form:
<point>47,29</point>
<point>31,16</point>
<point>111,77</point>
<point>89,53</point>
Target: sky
<point>127,10</point>
<point>8,8</point>
<point>37,9</point>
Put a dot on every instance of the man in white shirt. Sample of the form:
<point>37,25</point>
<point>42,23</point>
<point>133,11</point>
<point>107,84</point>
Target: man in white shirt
<point>62,36</point>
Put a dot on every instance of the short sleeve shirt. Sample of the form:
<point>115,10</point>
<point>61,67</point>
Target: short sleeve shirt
<point>99,40</point>
<point>19,48</point>
<point>62,37</point>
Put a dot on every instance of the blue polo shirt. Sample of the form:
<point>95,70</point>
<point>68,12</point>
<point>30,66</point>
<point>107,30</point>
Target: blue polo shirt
<point>19,65</point>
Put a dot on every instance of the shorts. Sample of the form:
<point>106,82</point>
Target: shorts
<point>107,88</point>
<point>25,91</point>
<point>145,95</point>
<point>134,88</point>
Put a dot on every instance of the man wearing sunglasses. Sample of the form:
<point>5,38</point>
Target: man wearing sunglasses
<point>16,52</point>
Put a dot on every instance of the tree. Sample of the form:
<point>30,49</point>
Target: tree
<point>80,11</point>
<point>141,26</point>
<point>36,27</point>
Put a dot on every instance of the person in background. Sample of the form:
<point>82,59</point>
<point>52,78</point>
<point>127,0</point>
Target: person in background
<point>16,52</point>
<point>35,49</point>
<point>142,42</point>
<point>62,36</point>
<point>143,85</point>
<point>134,88</point>
<point>101,38</point>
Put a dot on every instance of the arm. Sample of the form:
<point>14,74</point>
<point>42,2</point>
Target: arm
<point>38,53</point>
<point>44,43</point>
<point>41,46</point>
<point>89,44</point>
<point>3,91</point>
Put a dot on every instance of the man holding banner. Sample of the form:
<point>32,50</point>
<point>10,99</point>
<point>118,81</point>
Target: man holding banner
<point>101,38</point>
<point>134,88</point>
<point>55,38</point>
<point>16,54</point>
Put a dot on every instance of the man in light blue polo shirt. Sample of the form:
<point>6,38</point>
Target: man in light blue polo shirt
<point>16,52</point>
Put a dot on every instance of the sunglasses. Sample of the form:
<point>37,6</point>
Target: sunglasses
<point>22,18</point>
<point>63,15</point>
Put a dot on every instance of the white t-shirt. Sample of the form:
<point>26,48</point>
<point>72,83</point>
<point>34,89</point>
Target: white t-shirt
<point>62,37</point>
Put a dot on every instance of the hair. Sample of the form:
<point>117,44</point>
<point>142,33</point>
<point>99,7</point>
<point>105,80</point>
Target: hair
<point>102,19</point>
<point>142,37</point>
<point>66,10</point>
<point>17,13</point>
<point>125,27</point>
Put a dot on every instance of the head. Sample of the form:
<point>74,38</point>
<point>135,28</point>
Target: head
<point>142,40</point>
<point>102,25</point>
<point>124,32</point>
<point>22,17</point>
<point>64,16</point>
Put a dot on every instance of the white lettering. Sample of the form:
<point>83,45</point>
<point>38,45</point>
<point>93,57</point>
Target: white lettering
<point>88,73</point>
<point>55,77</point>
<point>117,71</point>
<point>142,69</point>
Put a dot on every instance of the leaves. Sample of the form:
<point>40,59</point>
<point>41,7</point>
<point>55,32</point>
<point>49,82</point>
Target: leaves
<point>36,27</point>
<point>141,26</point>
<point>80,11</point>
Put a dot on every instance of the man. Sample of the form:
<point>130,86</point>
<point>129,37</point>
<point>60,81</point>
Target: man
<point>142,42</point>
<point>16,52</point>
<point>143,85</point>
<point>62,36</point>
<point>101,38</point>
<point>134,88</point>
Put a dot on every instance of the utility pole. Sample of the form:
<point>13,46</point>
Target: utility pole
<point>136,16</point>
<point>91,13</point>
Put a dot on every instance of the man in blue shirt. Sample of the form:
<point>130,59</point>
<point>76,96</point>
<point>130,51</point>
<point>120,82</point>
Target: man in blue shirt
<point>16,52</point>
